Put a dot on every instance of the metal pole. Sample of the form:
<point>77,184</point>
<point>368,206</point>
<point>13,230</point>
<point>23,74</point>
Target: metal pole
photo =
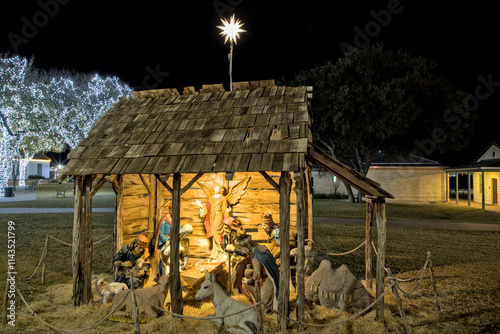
<point>482,189</point>
<point>231,67</point>
<point>468,187</point>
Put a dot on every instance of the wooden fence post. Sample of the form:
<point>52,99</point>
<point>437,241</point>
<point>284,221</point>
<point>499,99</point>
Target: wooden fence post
<point>44,259</point>
<point>137,328</point>
<point>392,279</point>
<point>260,324</point>
<point>431,269</point>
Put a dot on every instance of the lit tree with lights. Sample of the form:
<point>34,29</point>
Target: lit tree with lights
<point>75,102</point>
<point>43,111</point>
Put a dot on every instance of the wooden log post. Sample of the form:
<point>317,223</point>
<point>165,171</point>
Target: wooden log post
<point>285,184</point>
<point>44,259</point>
<point>5,303</point>
<point>431,269</point>
<point>368,245</point>
<point>155,254</point>
<point>381,234</point>
<point>76,260</point>
<point>88,244</point>
<point>300,271</point>
<point>117,184</point>
<point>392,279</point>
<point>175,279</point>
<point>260,323</point>
<point>135,308</point>
<point>309,203</point>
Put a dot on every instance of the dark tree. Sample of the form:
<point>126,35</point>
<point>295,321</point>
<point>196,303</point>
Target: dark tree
<point>374,99</point>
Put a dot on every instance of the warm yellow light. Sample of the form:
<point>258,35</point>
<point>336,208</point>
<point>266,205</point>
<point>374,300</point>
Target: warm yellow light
<point>231,30</point>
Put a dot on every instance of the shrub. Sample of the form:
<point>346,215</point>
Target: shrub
<point>36,177</point>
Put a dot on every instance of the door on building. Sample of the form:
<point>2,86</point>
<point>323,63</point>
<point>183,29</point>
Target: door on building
<point>39,169</point>
<point>495,191</point>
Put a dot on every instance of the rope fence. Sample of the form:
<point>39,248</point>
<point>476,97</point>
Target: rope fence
<point>210,318</point>
<point>43,257</point>
<point>393,285</point>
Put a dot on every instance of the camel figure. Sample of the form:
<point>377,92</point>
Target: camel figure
<point>155,295</point>
<point>245,322</point>
<point>337,288</point>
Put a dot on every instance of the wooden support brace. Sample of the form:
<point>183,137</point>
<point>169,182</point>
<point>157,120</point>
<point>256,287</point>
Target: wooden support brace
<point>164,181</point>
<point>270,180</point>
<point>190,183</point>
<point>146,184</point>
<point>98,186</point>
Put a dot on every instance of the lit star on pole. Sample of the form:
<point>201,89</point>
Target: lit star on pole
<point>231,31</point>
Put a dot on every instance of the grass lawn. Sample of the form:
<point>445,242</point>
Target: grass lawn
<point>46,198</point>
<point>466,265</point>
<point>432,212</point>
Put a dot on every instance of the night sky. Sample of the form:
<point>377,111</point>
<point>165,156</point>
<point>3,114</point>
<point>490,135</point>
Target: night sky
<point>173,44</point>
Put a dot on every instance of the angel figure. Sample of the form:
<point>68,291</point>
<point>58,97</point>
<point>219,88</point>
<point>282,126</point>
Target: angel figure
<point>219,206</point>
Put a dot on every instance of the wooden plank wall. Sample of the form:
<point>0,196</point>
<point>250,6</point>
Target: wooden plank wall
<point>260,197</point>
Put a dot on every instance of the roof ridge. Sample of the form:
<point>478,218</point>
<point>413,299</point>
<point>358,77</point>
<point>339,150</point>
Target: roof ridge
<point>209,88</point>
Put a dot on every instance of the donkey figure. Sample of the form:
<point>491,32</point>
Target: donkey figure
<point>245,322</point>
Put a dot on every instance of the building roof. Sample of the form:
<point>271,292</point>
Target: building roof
<point>40,156</point>
<point>483,165</point>
<point>382,159</point>
<point>256,127</point>
<point>486,149</point>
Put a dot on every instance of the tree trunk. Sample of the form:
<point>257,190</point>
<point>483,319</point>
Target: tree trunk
<point>350,195</point>
<point>15,173</point>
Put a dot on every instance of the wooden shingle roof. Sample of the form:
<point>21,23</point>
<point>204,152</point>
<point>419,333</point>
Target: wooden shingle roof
<point>256,127</point>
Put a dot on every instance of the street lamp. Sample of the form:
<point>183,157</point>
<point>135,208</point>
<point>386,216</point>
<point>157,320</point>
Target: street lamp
<point>231,31</point>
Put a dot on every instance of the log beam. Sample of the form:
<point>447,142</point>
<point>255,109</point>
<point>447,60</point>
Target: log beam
<point>381,233</point>
<point>300,192</point>
<point>285,185</point>
<point>88,244</point>
<point>368,245</point>
<point>76,260</point>
<point>175,280</point>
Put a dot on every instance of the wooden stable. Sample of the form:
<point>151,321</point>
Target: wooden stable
<point>154,148</point>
